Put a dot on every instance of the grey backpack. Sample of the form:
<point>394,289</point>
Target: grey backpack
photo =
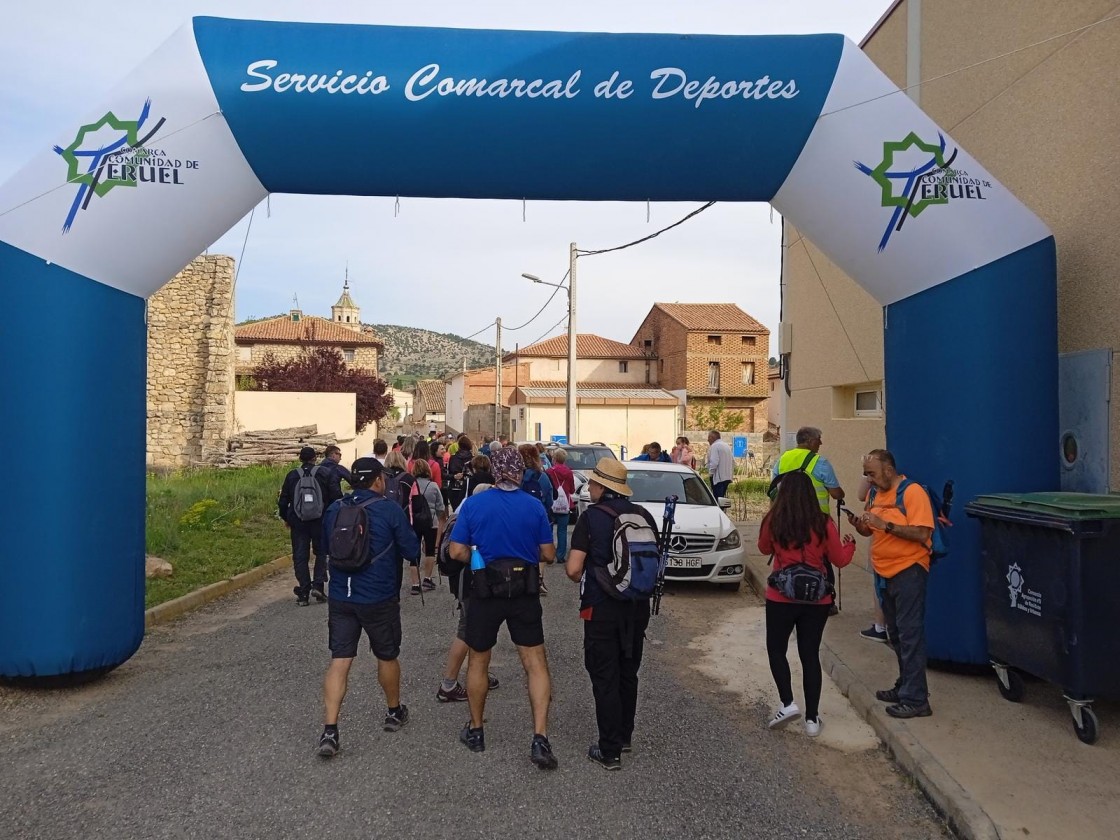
<point>308,501</point>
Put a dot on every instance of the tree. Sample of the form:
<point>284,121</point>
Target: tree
<point>322,369</point>
<point>716,416</point>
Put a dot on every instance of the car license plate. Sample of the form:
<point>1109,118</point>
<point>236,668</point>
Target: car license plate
<point>684,563</point>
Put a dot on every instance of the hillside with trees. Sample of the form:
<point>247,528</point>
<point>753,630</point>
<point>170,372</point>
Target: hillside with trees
<point>412,353</point>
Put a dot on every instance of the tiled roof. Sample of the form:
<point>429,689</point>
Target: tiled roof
<point>433,395</point>
<point>580,386</point>
<point>618,396</point>
<point>711,316</point>
<point>309,329</point>
<point>588,346</point>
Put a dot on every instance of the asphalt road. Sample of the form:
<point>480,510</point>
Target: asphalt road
<point>209,731</point>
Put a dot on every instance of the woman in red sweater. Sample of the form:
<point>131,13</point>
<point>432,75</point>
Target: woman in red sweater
<point>803,540</point>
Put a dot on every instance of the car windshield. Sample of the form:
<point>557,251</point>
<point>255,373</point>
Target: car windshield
<point>586,459</point>
<point>654,486</point>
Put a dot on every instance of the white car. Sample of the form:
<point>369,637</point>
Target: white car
<point>705,545</point>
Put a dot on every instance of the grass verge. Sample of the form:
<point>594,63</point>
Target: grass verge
<point>748,498</point>
<point>212,524</point>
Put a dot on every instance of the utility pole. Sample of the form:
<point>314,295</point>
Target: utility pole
<point>498,379</point>
<point>571,423</point>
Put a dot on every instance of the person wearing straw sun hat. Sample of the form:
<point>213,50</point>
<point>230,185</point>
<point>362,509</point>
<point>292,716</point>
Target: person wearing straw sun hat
<point>613,630</point>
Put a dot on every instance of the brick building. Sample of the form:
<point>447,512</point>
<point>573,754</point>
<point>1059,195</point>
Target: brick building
<point>475,387</point>
<point>715,353</point>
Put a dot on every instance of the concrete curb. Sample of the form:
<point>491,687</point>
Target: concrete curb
<point>170,610</point>
<point>965,815</point>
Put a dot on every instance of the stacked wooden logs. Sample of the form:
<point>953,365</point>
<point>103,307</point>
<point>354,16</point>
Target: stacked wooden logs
<point>274,446</point>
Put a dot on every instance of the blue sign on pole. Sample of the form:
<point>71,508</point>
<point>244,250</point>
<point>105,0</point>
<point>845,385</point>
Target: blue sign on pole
<point>739,446</point>
<point>559,438</point>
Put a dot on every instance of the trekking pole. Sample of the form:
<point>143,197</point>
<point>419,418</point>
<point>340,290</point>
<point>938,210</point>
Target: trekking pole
<point>839,572</point>
<point>666,534</point>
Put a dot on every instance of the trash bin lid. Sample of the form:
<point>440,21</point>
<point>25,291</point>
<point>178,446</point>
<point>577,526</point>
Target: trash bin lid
<point>1074,506</point>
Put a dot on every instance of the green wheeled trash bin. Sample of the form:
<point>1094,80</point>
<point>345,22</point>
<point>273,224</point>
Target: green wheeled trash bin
<point>1050,594</point>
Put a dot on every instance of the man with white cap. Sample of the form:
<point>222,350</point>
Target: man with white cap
<point>511,533</point>
<point>613,629</point>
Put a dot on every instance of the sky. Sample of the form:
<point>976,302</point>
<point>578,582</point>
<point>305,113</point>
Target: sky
<point>441,264</point>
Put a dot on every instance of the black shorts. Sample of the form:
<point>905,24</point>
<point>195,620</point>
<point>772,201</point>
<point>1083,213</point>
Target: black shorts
<point>428,542</point>
<point>382,623</point>
<point>522,617</point>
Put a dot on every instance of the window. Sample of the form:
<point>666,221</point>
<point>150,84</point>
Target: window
<point>868,404</point>
<point>244,354</point>
<point>623,367</point>
<point>347,319</point>
<point>348,355</point>
<point>748,340</point>
<point>715,339</point>
<point>647,344</point>
<point>748,373</point>
<point>713,377</point>
<point>650,486</point>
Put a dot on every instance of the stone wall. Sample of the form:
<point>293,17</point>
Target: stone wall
<point>190,364</point>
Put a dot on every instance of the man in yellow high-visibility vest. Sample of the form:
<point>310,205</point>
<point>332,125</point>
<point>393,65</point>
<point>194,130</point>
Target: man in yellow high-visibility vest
<point>806,458</point>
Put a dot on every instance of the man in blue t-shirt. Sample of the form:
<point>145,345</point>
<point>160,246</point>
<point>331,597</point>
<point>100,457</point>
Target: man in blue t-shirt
<point>511,532</point>
<point>368,600</point>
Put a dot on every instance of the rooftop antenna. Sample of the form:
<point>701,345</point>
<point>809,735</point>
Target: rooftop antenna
<point>295,301</point>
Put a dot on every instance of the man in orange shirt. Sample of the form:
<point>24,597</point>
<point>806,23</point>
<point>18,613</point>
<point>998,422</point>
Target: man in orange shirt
<point>900,532</point>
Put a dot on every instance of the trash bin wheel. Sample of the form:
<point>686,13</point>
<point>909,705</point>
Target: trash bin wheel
<point>1088,731</point>
<point>1014,690</point>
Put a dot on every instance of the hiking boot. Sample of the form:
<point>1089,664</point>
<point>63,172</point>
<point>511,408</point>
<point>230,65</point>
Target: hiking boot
<point>887,695</point>
<point>784,715</point>
<point>328,745</point>
<point>318,594</point>
<point>493,681</point>
<point>873,635</point>
<point>456,695</point>
<point>909,710</point>
<point>394,721</point>
<point>595,754</point>
<point>626,748</point>
<point>414,590</point>
<point>475,739</point>
<point>301,597</point>
<point>813,727</point>
<point>541,753</point>
<point>428,584</point>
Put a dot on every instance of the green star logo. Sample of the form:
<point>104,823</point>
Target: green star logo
<point>73,173</point>
<point>882,174</point>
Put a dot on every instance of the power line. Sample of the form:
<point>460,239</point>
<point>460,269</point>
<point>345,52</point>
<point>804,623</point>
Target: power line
<point>647,238</point>
<point>836,312</point>
<point>550,329</point>
<point>484,329</point>
<point>244,245</point>
<point>555,292</point>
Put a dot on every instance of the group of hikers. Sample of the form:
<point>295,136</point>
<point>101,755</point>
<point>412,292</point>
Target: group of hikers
<point>487,518</point>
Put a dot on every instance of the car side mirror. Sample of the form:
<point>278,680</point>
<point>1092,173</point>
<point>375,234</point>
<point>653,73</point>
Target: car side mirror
<point>724,503</point>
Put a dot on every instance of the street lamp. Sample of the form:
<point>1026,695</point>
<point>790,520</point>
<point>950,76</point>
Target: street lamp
<point>570,422</point>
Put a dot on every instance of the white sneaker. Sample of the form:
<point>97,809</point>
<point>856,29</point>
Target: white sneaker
<point>784,715</point>
<point>813,727</point>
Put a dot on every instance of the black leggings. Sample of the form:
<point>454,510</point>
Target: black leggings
<point>809,619</point>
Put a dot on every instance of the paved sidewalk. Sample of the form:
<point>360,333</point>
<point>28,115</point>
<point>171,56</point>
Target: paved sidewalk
<point>995,768</point>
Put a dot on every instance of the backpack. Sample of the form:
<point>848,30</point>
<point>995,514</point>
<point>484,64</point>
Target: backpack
<point>772,490</point>
<point>563,502</point>
<point>631,573</point>
<point>396,486</point>
<point>349,539</point>
<point>531,484</point>
<point>419,511</point>
<point>447,567</point>
<point>308,500</point>
<point>939,540</point>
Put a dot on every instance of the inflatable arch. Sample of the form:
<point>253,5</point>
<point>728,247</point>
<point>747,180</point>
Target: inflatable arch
<point>227,111</point>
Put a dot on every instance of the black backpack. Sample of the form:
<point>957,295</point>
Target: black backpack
<point>350,537</point>
<point>396,486</point>
<point>419,511</point>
